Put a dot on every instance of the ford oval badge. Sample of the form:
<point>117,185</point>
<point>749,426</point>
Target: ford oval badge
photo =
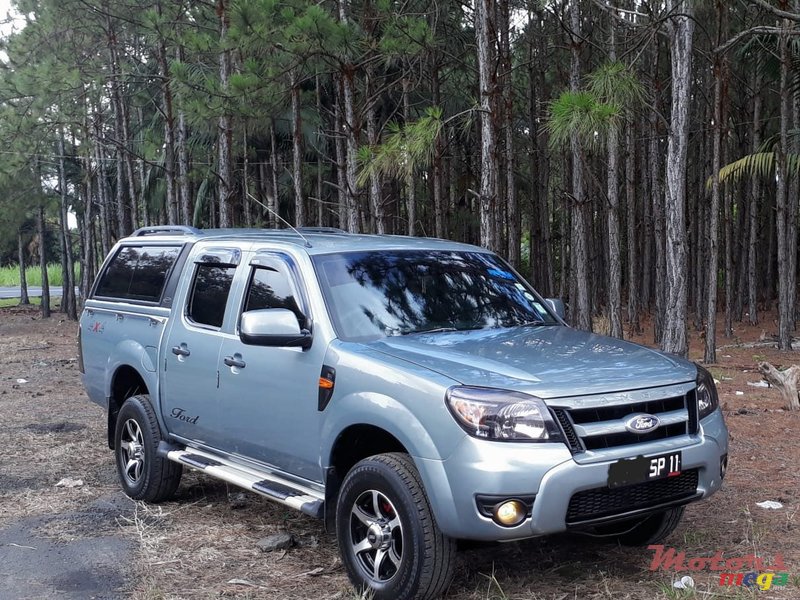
<point>641,423</point>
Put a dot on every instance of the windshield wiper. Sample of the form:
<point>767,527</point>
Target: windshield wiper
<point>434,330</point>
<point>532,323</point>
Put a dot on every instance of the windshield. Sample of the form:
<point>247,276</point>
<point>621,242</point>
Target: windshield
<point>375,294</point>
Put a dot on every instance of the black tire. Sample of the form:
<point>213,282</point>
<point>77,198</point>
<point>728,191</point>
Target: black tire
<point>142,473</point>
<point>653,529</point>
<point>383,509</point>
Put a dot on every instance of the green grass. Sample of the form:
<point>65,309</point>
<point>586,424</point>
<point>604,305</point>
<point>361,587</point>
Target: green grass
<point>9,276</point>
<point>55,303</point>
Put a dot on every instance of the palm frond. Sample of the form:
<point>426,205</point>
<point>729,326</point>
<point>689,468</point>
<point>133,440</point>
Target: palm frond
<point>759,164</point>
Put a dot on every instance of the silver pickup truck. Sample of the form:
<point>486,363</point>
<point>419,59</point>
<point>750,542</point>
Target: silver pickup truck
<point>409,392</point>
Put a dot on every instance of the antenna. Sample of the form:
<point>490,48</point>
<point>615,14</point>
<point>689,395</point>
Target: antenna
<point>292,227</point>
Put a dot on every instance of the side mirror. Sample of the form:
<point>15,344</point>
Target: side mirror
<point>273,327</point>
<point>557,306</point>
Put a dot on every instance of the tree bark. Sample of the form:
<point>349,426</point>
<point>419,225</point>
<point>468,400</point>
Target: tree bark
<point>582,312</point>
<point>350,127</point>
<point>514,219</point>
<point>171,200</point>
<point>41,230</point>
<point>225,128</point>
<point>300,216</point>
<point>634,257</point>
<point>375,184</point>
<point>410,189</point>
<point>755,198</point>
<point>675,338</point>
<point>23,280</point>
<point>785,304</point>
<point>710,354</point>
<point>68,300</point>
<point>484,13</point>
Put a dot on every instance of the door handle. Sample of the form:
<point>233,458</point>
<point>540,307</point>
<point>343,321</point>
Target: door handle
<point>234,362</point>
<point>181,350</point>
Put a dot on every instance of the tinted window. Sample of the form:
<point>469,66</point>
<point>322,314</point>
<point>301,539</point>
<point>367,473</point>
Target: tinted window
<point>377,294</point>
<point>137,273</point>
<point>271,289</point>
<point>210,294</point>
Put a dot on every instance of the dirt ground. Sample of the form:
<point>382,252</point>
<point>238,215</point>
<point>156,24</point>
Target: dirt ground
<point>89,541</point>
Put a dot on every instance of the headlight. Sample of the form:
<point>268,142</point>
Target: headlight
<point>707,399</point>
<point>502,415</point>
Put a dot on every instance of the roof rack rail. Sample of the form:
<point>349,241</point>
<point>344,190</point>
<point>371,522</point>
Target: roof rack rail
<point>157,229</point>
<point>321,230</point>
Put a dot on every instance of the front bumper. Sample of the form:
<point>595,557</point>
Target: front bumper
<point>553,475</point>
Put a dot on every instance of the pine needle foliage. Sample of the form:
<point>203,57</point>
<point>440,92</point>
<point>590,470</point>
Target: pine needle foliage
<point>404,148</point>
<point>580,113</point>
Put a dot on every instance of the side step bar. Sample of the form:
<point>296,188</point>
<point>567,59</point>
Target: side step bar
<point>276,488</point>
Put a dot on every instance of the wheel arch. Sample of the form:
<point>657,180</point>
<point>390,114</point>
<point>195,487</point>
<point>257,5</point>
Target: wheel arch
<point>353,444</point>
<point>126,382</point>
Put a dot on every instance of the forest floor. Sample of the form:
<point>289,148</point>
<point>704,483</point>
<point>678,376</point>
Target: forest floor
<point>89,541</point>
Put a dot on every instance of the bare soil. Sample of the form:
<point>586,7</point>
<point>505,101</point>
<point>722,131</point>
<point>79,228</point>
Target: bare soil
<point>204,543</point>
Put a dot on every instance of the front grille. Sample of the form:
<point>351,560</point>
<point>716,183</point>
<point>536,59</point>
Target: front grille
<point>577,423</point>
<point>605,502</point>
<point>569,431</point>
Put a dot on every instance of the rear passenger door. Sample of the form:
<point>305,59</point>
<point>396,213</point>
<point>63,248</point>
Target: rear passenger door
<point>191,376</point>
<point>268,395</point>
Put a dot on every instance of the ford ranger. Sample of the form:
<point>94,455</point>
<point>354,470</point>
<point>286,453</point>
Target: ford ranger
<point>408,392</point>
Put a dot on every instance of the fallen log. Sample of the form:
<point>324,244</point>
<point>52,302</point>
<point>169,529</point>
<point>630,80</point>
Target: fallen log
<point>786,382</point>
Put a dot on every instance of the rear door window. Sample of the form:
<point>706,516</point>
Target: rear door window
<point>209,295</point>
<point>137,273</point>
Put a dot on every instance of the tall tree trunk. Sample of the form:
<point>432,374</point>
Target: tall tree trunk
<point>183,170</point>
<point>375,184</point>
<point>581,219</point>
<point>675,339</point>
<point>710,354</point>
<point>438,151</point>
<point>40,228</point>
<point>755,201</point>
<point>171,200</point>
<point>634,257</point>
<point>612,218</point>
<point>225,133</point>
<point>484,13</point>
<point>273,202</point>
<point>785,303</point>
<point>68,300</point>
<point>514,219</point>
<point>246,204</point>
<point>300,216</point>
<point>410,190</point>
<point>340,153</point>
<point>320,161</point>
<point>122,202</point>
<point>23,279</point>
<point>351,135</point>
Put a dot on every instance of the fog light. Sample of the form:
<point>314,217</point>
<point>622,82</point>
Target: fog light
<point>723,465</point>
<point>510,513</point>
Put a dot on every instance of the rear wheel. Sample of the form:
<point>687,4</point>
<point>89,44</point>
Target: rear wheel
<point>142,473</point>
<point>652,529</point>
<point>389,541</point>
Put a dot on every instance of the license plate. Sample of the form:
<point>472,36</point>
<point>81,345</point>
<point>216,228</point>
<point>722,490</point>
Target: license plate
<point>640,469</point>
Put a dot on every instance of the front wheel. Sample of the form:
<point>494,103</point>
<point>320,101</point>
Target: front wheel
<point>142,473</point>
<point>388,538</point>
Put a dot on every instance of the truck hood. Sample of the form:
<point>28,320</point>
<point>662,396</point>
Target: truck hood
<point>547,361</point>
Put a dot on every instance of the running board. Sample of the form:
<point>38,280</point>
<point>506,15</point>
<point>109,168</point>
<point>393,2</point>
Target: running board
<point>265,484</point>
